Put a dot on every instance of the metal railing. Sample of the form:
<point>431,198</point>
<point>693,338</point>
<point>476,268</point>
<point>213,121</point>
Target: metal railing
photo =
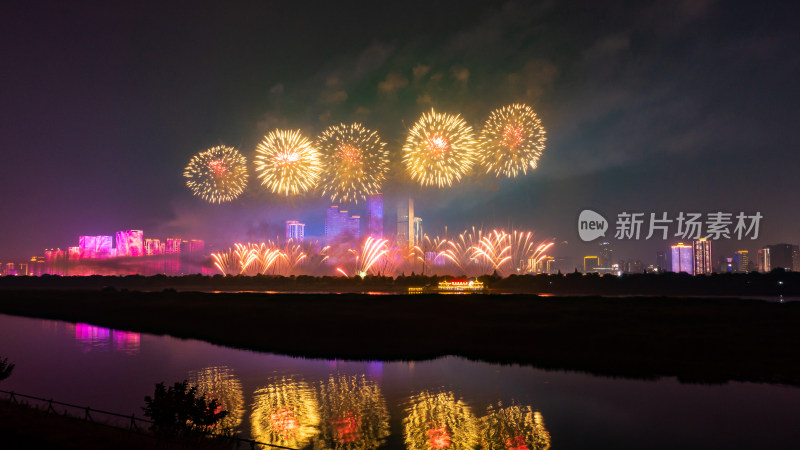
<point>132,425</point>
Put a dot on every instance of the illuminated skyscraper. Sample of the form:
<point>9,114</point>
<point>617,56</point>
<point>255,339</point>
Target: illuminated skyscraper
<point>417,230</point>
<point>173,246</point>
<point>295,230</point>
<point>606,255</point>
<point>703,264</point>
<point>590,263</point>
<point>338,225</point>
<point>741,260</point>
<point>196,245</point>
<point>152,247</point>
<point>779,256</point>
<point>405,222</point>
<point>375,215</point>
<point>95,246</point>
<point>682,258</point>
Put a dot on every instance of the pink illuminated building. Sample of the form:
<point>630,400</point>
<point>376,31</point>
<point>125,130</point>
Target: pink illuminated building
<point>95,246</point>
<point>196,245</point>
<point>152,247</point>
<point>173,246</point>
<point>130,243</point>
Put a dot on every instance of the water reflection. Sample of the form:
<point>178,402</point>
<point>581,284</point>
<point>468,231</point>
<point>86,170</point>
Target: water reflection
<point>90,337</point>
<point>221,383</point>
<point>514,427</point>
<point>354,413</point>
<point>285,413</point>
<point>439,421</point>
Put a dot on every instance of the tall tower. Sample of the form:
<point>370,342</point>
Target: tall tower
<point>417,230</point>
<point>702,257</point>
<point>405,222</point>
<point>375,215</point>
<point>606,254</point>
<point>682,260</point>
<point>742,260</point>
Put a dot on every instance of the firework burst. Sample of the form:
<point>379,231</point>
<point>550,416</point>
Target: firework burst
<point>512,141</point>
<point>439,150</point>
<point>287,163</point>
<point>217,175</point>
<point>355,162</point>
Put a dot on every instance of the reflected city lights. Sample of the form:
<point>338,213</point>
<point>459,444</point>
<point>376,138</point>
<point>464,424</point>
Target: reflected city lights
<point>285,413</point>
<point>439,421</point>
<point>514,427</point>
<point>354,413</point>
<point>94,338</point>
<point>221,383</point>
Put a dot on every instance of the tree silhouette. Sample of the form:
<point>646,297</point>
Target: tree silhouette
<point>177,409</point>
<point>5,369</point>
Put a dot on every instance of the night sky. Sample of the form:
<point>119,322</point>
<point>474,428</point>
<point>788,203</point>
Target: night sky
<point>649,106</point>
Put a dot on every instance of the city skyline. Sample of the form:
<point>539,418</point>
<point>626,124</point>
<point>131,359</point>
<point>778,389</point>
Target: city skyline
<point>620,113</point>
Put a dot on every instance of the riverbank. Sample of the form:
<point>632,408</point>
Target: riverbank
<point>26,427</point>
<point>697,340</point>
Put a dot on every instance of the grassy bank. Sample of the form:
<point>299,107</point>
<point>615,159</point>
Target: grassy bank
<point>702,340</point>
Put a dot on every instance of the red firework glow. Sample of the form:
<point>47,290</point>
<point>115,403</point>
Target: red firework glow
<point>512,136</point>
<point>218,167</point>
<point>346,428</point>
<point>284,421</point>
<point>439,437</point>
<point>438,145</point>
<point>516,443</point>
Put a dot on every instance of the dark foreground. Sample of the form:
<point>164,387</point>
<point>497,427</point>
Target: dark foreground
<point>697,340</point>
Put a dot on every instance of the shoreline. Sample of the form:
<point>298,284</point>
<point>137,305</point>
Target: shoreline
<point>702,340</point>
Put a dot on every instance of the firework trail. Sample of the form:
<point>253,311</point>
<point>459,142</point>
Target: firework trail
<point>217,175</point>
<point>365,260</point>
<point>287,163</point>
<point>440,149</point>
<point>492,251</point>
<point>429,252</point>
<point>354,160</point>
<point>512,141</point>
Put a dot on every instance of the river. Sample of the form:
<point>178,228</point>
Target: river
<point>444,403</point>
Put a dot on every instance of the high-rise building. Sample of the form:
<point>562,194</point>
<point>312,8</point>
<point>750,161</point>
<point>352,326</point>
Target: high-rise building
<point>353,226</point>
<point>779,256</point>
<point>606,254</point>
<point>763,259</point>
<point>417,230</point>
<point>590,263</point>
<point>703,265</point>
<point>130,243</point>
<point>682,258</point>
<point>661,261</point>
<point>339,225</point>
<point>405,223</point>
<point>95,246</point>
<point>196,245</point>
<point>295,230</point>
<point>796,258</point>
<point>173,246</point>
<point>152,247</point>
<point>741,260</point>
<point>375,215</point>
